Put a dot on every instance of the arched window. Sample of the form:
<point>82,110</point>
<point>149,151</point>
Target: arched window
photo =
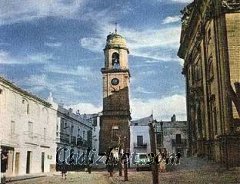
<point>115,60</point>
<point>210,72</point>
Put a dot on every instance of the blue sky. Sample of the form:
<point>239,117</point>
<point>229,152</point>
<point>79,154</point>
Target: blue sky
<point>57,46</point>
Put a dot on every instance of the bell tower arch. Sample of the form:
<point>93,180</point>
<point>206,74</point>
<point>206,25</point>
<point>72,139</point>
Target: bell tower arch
<point>115,119</point>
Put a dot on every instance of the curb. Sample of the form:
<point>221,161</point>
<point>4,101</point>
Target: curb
<point>21,178</point>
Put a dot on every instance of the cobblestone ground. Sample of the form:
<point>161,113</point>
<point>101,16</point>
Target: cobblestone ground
<point>72,178</point>
<point>191,170</point>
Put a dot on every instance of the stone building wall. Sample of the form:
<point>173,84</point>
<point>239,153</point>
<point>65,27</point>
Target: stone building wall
<point>27,129</point>
<point>209,46</point>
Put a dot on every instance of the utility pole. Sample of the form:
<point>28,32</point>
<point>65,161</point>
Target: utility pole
<point>152,134</point>
<point>120,156</point>
<point>125,160</point>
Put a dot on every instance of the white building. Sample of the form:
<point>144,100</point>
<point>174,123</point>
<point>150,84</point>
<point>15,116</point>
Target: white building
<point>27,130</point>
<point>140,139</point>
<point>74,138</point>
<point>174,136</point>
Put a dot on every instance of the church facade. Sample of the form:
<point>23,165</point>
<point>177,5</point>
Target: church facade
<point>209,45</point>
<point>115,119</point>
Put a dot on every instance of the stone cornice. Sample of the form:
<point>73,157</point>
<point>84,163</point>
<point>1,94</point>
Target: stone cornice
<point>23,92</point>
<point>231,5</point>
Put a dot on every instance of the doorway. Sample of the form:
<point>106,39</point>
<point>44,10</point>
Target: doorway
<point>17,159</point>
<point>42,162</point>
<point>28,165</point>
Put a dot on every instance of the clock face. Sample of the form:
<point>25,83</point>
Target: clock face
<point>115,81</point>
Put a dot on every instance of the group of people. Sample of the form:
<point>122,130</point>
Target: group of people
<point>168,159</point>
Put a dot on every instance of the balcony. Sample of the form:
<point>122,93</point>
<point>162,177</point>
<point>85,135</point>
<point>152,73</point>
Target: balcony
<point>79,141</point>
<point>142,146</point>
<point>73,140</point>
<point>64,137</point>
<point>182,144</point>
<point>85,144</point>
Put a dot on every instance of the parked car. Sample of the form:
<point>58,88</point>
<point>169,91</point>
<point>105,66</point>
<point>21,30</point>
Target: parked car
<point>142,161</point>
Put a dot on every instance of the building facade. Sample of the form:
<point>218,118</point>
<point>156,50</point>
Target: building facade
<point>140,139</point>
<point>27,131</point>
<point>172,136</point>
<point>115,119</point>
<point>210,43</point>
<point>74,139</point>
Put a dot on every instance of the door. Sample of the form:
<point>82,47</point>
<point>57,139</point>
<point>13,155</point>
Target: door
<point>17,158</point>
<point>28,164</point>
<point>43,160</point>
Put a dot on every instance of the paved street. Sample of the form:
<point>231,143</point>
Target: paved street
<point>190,171</point>
<point>73,178</point>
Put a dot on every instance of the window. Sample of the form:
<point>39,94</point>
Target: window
<point>115,60</point>
<point>178,139</point>
<point>78,132</point>
<point>28,109</point>
<point>72,128</point>
<point>115,133</point>
<point>83,134</point>
<point>210,71</point>
<point>139,140</point>
<point>30,129</point>
<point>44,134</point>
<point>12,127</point>
<point>209,35</point>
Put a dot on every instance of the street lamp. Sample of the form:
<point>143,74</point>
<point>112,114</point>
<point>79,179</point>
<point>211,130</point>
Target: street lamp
<point>161,123</point>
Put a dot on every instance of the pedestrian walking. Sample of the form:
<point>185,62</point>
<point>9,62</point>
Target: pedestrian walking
<point>110,164</point>
<point>167,159</point>
<point>178,156</point>
<point>64,170</point>
<point>172,158</point>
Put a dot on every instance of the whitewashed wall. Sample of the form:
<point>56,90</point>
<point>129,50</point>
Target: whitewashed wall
<point>17,109</point>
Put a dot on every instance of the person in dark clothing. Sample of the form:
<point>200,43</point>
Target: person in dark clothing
<point>178,156</point>
<point>167,159</point>
<point>172,158</point>
<point>110,164</point>
<point>64,170</point>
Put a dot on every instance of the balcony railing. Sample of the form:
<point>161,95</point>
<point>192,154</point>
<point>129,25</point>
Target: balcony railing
<point>143,145</point>
<point>79,141</point>
<point>73,140</point>
<point>64,137</point>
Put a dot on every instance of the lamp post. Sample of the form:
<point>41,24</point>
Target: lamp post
<point>154,151</point>
<point>161,123</point>
<point>125,160</point>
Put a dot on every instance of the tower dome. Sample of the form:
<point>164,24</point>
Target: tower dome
<point>115,40</point>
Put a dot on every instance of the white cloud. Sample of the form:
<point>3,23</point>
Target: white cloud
<point>53,44</point>
<point>60,88</point>
<point>142,90</point>
<point>12,11</point>
<point>162,108</point>
<point>140,45</point>
<point>171,19</point>
<point>86,108</point>
<point>85,72</point>
<point>93,44</point>
<point>7,58</point>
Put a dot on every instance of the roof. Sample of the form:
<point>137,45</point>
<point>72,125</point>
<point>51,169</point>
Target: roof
<point>142,122</point>
<point>26,93</point>
<point>115,40</point>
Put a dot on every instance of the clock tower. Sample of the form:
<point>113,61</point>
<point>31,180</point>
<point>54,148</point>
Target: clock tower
<point>115,119</point>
